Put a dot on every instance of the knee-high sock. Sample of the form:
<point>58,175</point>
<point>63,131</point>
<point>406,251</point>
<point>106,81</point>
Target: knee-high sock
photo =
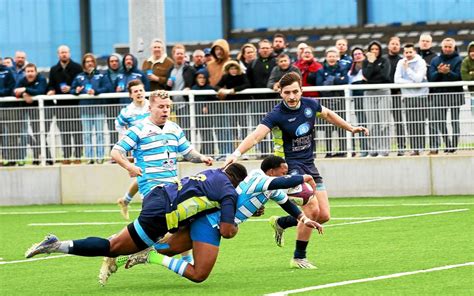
<point>176,265</point>
<point>90,247</point>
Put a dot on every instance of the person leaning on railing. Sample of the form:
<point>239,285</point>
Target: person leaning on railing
<point>445,67</point>
<point>91,82</point>
<point>7,84</point>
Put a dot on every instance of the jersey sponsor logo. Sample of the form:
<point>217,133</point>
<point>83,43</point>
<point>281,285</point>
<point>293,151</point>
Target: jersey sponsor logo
<point>302,129</point>
<point>292,119</point>
<point>308,112</point>
<point>169,164</point>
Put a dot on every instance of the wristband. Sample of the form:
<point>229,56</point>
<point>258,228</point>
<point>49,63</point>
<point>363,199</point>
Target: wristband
<point>304,219</point>
<point>237,153</point>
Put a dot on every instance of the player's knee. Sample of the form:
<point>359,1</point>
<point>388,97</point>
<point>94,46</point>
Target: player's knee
<point>324,217</point>
<point>200,276</point>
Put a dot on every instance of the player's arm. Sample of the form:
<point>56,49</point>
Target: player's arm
<point>286,182</point>
<point>331,117</point>
<point>120,156</point>
<point>251,140</point>
<point>196,157</point>
<point>227,227</point>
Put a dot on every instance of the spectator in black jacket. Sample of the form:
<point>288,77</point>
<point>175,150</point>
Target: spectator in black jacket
<point>393,56</point>
<point>376,69</point>
<point>232,81</point>
<point>32,84</point>
<point>61,76</point>
<point>424,50</point>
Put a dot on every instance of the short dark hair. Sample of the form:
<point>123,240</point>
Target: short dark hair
<point>289,79</point>
<point>133,83</point>
<point>236,172</point>
<point>279,35</point>
<point>31,65</point>
<point>282,55</point>
<point>409,45</point>
<point>271,162</point>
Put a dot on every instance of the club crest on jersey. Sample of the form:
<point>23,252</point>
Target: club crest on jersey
<point>308,112</point>
<point>168,164</point>
<point>302,129</point>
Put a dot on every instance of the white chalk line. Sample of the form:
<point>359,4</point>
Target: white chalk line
<point>370,219</point>
<point>270,206</point>
<point>377,278</point>
<point>34,259</point>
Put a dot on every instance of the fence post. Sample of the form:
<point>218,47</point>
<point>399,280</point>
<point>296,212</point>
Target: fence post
<point>42,126</point>
<point>192,119</point>
<point>349,135</point>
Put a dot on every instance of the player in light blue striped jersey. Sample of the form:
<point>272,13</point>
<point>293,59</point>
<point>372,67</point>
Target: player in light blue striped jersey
<point>155,144</point>
<point>204,235</point>
<point>131,115</point>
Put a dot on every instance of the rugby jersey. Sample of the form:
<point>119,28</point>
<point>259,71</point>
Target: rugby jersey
<point>253,194</point>
<point>155,150</point>
<point>130,116</point>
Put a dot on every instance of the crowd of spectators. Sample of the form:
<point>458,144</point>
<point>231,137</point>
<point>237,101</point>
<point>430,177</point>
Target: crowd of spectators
<point>258,66</point>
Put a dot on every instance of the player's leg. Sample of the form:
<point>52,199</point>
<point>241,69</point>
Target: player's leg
<point>120,244</point>
<point>124,201</point>
<point>205,245</point>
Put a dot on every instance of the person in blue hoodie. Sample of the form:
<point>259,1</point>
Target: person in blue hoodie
<point>130,72</point>
<point>32,84</point>
<point>93,83</point>
<point>7,84</point>
<point>445,67</point>
<point>204,109</point>
<point>113,107</point>
<point>333,73</point>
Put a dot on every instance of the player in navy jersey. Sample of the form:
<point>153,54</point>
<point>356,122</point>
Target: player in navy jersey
<point>163,210</point>
<point>295,117</point>
<point>155,143</point>
<point>204,234</point>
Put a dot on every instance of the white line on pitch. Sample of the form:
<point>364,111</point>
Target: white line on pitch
<point>397,217</point>
<point>77,223</point>
<point>33,213</point>
<point>34,259</point>
<point>377,278</point>
<point>269,206</point>
<point>371,219</point>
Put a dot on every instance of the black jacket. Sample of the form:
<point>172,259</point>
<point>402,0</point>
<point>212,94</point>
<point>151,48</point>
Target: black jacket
<point>259,71</point>
<point>58,75</point>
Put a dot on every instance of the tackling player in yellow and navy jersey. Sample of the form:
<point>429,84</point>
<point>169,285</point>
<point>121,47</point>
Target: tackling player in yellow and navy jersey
<point>155,150</point>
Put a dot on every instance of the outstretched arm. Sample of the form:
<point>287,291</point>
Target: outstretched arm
<point>331,117</point>
<point>294,211</point>
<point>251,140</point>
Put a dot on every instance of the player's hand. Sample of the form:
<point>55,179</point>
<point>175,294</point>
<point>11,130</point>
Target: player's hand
<point>207,160</point>
<point>313,224</point>
<point>309,179</point>
<point>259,212</point>
<point>360,129</point>
<point>230,160</point>
<point>134,171</point>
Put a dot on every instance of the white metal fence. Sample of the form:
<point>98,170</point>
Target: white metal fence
<point>399,124</point>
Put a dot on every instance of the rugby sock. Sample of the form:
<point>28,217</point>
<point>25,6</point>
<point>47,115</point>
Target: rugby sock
<point>188,258</point>
<point>287,221</point>
<point>300,250</point>
<point>127,198</point>
<point>90,247</point>
<point>176,265</point>
<point>64,246</point>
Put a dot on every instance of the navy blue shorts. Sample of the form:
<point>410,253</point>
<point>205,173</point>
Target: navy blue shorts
<point>202,231</point>
<point>150,226</point>
<point>298,167</point>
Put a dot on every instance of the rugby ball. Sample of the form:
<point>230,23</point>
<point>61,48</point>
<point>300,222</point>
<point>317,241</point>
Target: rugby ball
<point>301,194</point>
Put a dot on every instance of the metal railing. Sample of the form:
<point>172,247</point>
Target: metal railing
<point>399,124</point>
